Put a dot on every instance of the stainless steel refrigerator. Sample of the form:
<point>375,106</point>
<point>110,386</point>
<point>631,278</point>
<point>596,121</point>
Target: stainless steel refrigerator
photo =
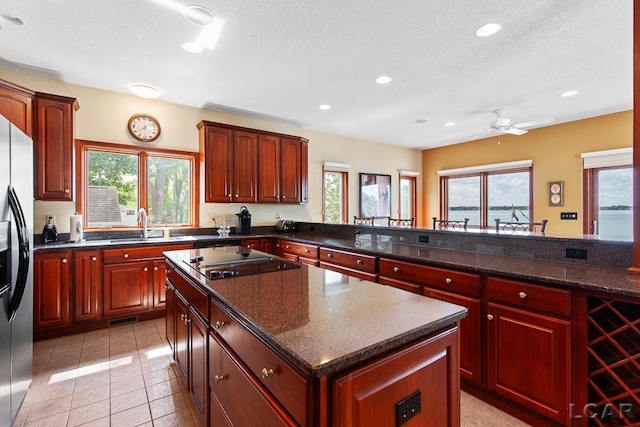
<point>16,269</point>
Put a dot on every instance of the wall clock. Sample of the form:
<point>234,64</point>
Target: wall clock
<point>144,127</point>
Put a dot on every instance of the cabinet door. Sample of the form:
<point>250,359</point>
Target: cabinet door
<point>198,333</point>
<point>16,104</point>
<point>290,174</point>
<point>52,279</point>
<point>304,172</point>
<point>170,317</point>
<point>529,359</point>
<point>245,167</point>
<point>182,335</point>
<point>469,331</point>
<point>159,276</point>
<point>53,148</point>
<point>269,169</point>
<point>125,288</point>
<point>86,285</point>
<point>217,146</point>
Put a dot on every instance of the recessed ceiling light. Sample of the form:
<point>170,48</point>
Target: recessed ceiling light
<point>192,47</point>
<point>197,14</point>
<point>7,17</point>
<point>569,93</point>
<point>144,91</point>
<point>450,124</point>
<point>383,80</point>
<point>324,107</point>
<point>421,121</point>
<point>488,29</point>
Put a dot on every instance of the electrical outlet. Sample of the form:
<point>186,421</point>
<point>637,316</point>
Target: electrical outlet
<point>569,215</point>
<point>50,219</point>
<point>408,407</point>
<point>213,218</point>
<point>576,253</point>
<point>277,216</point>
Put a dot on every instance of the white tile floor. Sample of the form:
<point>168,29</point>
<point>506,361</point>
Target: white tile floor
<point>124,376</point>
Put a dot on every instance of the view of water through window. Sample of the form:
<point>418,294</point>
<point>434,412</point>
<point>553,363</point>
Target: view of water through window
<point>615,202</point>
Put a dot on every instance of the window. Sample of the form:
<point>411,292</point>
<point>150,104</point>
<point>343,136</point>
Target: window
<point>486,193</point>
<point>608,194</point>
<point>334,194</point>
<point>118,180</point>
<point>408,194</point>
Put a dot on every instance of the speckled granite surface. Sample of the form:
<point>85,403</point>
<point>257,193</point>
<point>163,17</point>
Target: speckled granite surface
<point>323,321</point>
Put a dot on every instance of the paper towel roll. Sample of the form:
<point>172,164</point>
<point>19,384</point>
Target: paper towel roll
<point>75,228</point>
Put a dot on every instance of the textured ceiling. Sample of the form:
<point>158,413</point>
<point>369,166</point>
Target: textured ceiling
<point>280,59</point>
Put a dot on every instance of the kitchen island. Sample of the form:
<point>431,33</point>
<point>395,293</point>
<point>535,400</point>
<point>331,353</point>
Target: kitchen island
<point>262,340</point>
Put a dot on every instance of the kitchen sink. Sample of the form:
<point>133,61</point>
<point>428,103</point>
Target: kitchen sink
<point>158,239</point>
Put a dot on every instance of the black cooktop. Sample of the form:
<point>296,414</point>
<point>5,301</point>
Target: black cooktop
<point>232,261</point>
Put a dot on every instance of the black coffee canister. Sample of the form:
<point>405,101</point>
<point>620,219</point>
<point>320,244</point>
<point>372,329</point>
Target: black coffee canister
<point>244,221</point>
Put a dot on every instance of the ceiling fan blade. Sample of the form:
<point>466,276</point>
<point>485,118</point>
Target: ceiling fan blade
<point>515,131</point>
<point>545,121</point>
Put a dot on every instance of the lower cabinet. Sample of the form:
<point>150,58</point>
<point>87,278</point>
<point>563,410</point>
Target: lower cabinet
<point>52,289</point>
<point>264,244</point>
<point>198,335</point>
<point>126,288</point>
<point>298,252</point>
<point>170,315</point>
<point>86,285</point>
<point>159,275</point>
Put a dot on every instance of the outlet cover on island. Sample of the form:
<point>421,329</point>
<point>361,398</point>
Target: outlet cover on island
<point>50,219</point>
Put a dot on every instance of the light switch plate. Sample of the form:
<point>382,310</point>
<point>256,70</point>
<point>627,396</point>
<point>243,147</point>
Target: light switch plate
<point>569,215</point>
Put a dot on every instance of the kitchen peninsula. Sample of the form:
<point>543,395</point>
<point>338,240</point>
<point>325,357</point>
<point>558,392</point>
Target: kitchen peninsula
<point>307,346</point>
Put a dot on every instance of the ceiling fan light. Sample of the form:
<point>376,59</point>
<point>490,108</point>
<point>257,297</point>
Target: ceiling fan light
<point>144,91</point>
<point>383,80</point>
<point>569,93</point>
<point>449,124</point>
<point>324,107</point>
<point>192,47</point>
<point>197,14</point>
<point>488,30</point>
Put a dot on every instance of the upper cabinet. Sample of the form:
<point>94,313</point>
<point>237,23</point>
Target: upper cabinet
<point>16,104</point>
<point>248,165</point>
<point>54,134</point>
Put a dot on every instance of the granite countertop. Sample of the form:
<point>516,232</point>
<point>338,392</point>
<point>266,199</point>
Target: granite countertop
<point>320,320</point>
<point>128,241</point>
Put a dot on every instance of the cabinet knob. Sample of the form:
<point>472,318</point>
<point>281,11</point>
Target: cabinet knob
<point>183,316</point>
<point>396,269</point>
<point>448,281</point>
<point>218,378</point>
<point>236,196</point>
<point>126,255</point>
<point>490,316</point>
<point>522,295</point>
<point>218,325</point>
<point>329,255</point>
<point>284,197</point>
<point>288,247</point>
<point>306,251</point>
<point>64,260</point>
<point>66,190</point>
<point>93,259</point>
<point>146,269</point>
<point>155,268</point>
<point>166,271</point>
<point>266,372</point>
<point>166,287</point>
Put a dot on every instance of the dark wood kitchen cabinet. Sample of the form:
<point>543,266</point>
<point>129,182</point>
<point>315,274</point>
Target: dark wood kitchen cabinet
<point>248,165</point>
<point>529,343</point>
<point>229,164</point>
<point>16,104</point>
<point>298,252</point>
<point>263,244</point>
<point>53,139</point>
<point>170,316</point>
<point>86,285</point>
<point>159,267</point>
<point>352,264</point>
<point>52,289</point>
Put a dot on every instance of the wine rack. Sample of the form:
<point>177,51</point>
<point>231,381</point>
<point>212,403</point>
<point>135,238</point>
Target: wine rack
<point>614,362</point>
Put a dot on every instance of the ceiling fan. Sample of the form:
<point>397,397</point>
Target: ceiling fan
<point>503,125</point>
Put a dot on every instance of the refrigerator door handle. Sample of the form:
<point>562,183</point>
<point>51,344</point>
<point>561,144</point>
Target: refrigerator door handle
<point>24,253</point>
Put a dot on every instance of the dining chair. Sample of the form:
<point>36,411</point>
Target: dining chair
<point>447,224</point>
<point>520,227</point>
<point>363,221</point>
<point>401,222</point>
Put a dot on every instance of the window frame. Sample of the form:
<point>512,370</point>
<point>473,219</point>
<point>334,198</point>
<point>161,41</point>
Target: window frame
<point>344,214</point>
<point>84,146</point>
<point>414,195</point>
<point>484,192</point>
<point>590,195</point>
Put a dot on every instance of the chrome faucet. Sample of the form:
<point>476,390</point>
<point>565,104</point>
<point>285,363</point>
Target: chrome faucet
<point>142,217</point>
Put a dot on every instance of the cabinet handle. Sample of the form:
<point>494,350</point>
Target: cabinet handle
<point>396,269</point>
<point>329,255</point>
<point>266,373</point>
<point>306,251</point>
<point>236,196</point>
<point>182,316</point>
<point>359,261</point>
<point>490,316</point>
<point>522,295</point>
<point>287,247</point>
<point>93,259</point>
<point>448,281</point>
<point>66,190</point>
<point>284,197</point>
<point>166,271</point>
<point>126,255</point>
<point>155,268</point>
<point>218,325</point>
<point>218,378</point>
<point>146,269</point>
<point>64,260</point>
<point>166,287</point>
<point>187,320</point>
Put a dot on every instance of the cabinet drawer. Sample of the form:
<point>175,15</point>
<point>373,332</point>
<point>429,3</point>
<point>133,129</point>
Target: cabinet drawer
<point>196,297</point>
<point>283,381</point>
<point>453,281</point>
<point>365,263</point>
<point>135,253</point>
<point>301,249</point>
<point>542,298</point>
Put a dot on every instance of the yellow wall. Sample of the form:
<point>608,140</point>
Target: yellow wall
<point>555,151</point>
<point>103,116</point>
